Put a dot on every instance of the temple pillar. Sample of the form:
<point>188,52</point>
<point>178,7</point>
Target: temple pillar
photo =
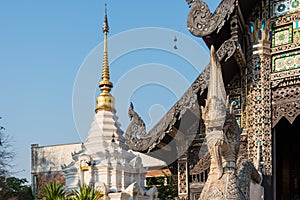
<point>259,103</point>
<point>183,177</point>
<point>259,108</point>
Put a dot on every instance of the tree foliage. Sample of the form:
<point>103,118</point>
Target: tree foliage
<point>13,187</point>
<point>166,186</point>
<point>10,187</point>
<point>169,190</point>
<point>6,154</point>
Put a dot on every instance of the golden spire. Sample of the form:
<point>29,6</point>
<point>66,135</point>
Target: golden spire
<point>105,101</point>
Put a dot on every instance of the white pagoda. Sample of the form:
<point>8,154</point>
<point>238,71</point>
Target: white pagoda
<point>104,161</point>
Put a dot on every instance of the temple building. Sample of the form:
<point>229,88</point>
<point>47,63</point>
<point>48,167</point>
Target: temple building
<point>103,161</point>
<point>257,46</point>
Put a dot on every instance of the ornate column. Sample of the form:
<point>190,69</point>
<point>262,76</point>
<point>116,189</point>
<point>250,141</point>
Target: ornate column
<point>183,177</point>
<point>259,106</point>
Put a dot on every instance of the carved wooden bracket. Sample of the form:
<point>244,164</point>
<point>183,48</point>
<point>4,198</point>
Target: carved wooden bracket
<point>286,103</point>
<point>201,22</point>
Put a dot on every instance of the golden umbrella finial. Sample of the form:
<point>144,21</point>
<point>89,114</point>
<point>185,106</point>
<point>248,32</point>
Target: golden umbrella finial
<point>105,101</point>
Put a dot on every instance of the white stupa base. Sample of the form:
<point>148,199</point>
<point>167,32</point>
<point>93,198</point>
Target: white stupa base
<point>106,164</point>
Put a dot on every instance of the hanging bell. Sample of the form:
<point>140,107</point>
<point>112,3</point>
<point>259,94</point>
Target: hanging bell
<point>175,39</point>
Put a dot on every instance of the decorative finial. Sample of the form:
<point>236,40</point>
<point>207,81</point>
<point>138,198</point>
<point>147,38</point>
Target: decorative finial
<point>105,101</point>
<point>105,27</point>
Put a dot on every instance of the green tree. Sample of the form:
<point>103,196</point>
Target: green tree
<point>168,189</point>
<point>166,186</point>
<point>85,193</point>
<point>10,187</point>
<point>54,191</point>
<point>13,187</point>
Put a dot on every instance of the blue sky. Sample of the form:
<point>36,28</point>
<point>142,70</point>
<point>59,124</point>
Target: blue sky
<point>46,44</point>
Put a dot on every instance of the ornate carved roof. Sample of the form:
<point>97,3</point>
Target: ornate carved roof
<point>136,137</point>
<point>201,22</point>
<point>146,142</point>
<point>202,165</point>
<point>215,28</point>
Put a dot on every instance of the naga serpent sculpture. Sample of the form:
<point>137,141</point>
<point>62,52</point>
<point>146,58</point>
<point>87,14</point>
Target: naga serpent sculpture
<point>223,141</point>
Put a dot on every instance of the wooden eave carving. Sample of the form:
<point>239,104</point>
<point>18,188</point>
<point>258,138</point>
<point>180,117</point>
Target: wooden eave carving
<point>201,22</point>
<point>136,137</point>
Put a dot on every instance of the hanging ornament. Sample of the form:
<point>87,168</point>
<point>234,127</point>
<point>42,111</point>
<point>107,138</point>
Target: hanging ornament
<point>175,39</point>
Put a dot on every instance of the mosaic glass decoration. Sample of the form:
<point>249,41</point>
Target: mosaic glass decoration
<point>236,101</point>
<point>238,119</point>
<point>294,5</point>
<point>283,35</point>
<point>280,7</point>
<point>286,61</point>
<point>296,32</point>
<point>284,7</point>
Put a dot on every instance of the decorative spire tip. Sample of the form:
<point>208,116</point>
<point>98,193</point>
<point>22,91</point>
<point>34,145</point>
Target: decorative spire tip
<point>105,27</point>
<point>105,101</point>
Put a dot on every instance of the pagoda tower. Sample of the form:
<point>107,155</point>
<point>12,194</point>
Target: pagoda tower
<point>104,161</point>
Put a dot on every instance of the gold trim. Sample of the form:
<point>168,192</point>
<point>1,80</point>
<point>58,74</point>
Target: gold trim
<point>84,168</point>
<point>105,101</point>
